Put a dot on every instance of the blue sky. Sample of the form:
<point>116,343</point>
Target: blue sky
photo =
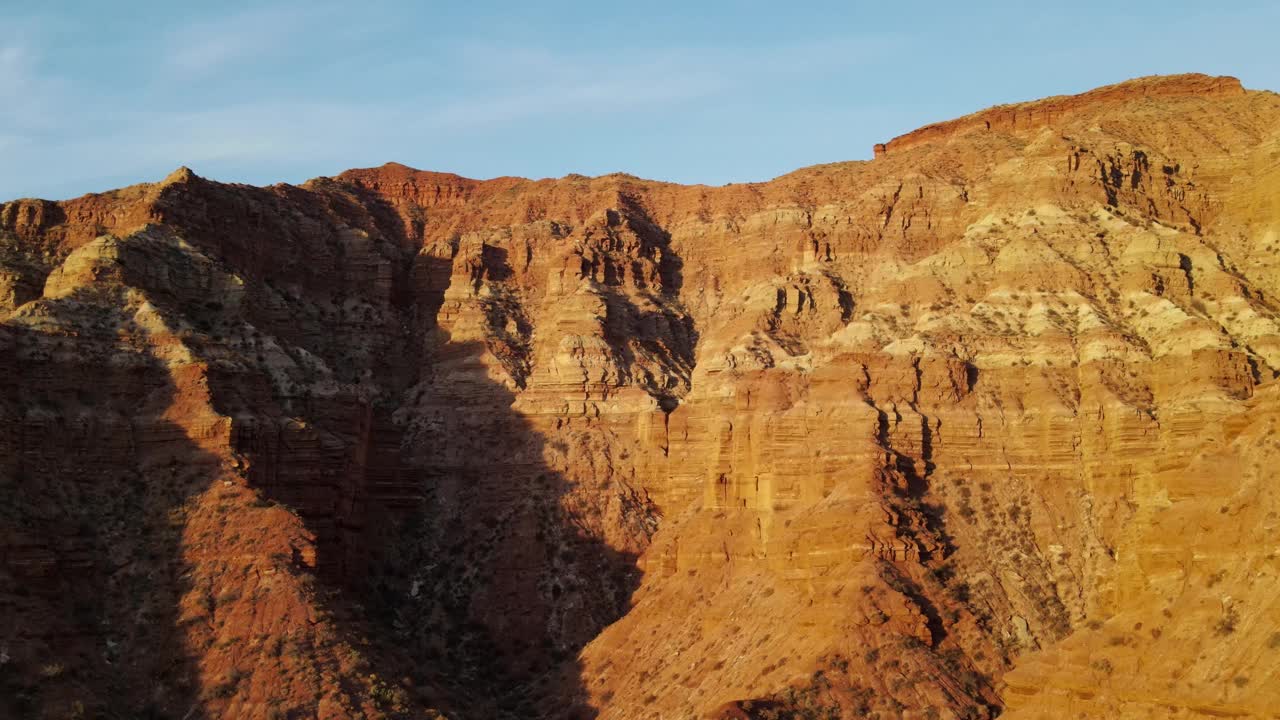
<point>95,95</point>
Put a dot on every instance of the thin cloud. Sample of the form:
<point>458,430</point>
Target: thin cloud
<point>520,82</point>
<point>14,70</point>
<point>210,53</point>
<point>17,80</point>
<point>563,87</point>
<point>217,45</point>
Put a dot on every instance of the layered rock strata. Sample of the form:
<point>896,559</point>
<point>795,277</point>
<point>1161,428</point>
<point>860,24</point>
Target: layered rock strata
<point>981,427</point>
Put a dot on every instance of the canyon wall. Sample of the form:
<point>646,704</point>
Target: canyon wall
<point>981,427</point>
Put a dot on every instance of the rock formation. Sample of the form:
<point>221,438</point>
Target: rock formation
<point>985,426</point>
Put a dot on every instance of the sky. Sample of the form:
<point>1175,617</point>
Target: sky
<point>96,95</point>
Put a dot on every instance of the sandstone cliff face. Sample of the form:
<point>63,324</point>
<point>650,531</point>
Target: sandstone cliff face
<point>981,427</point>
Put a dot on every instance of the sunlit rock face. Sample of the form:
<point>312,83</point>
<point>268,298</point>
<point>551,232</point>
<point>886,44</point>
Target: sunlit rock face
<point>985,426</point>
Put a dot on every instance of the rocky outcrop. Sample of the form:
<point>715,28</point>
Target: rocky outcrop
<point>1029,116</point>
<point>978,428</point>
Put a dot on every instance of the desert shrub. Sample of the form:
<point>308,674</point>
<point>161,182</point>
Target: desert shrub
<point>1227,623</point>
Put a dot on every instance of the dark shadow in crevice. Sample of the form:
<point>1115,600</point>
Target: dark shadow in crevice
<point>449,528</point>
<point>664,332</point>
